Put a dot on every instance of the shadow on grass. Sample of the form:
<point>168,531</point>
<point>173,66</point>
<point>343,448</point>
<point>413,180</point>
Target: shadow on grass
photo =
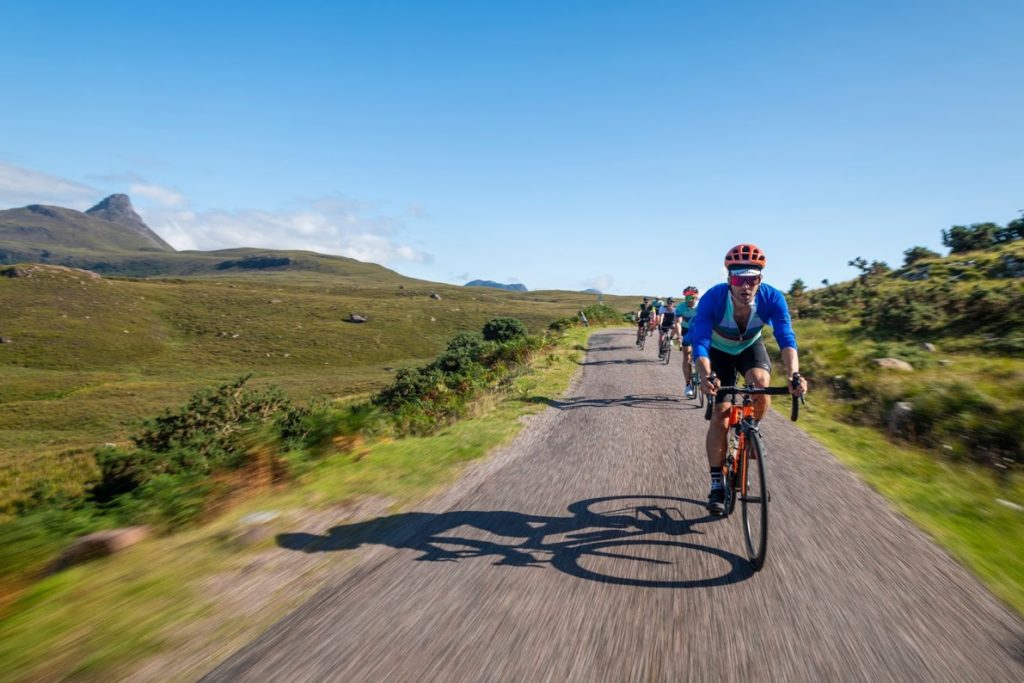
<point>625,540</point>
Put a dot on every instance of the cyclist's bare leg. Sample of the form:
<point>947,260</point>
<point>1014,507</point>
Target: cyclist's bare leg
<point>686,363</point>
<point>759,377</point>
<point>717,440</point>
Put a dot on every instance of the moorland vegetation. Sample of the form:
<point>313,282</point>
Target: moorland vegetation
<point>957,320</point>
<point>187,465</point>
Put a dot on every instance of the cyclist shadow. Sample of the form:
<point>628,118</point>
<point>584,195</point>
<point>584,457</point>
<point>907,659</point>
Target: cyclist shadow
<point>604,539</point>
<point>644,401</point>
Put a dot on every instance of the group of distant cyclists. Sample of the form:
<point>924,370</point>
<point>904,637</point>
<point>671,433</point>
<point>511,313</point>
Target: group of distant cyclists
<point>722,331</point>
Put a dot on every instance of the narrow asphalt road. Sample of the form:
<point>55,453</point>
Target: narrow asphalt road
<point>587,555</point>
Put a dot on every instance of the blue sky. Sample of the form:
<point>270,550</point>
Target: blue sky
<point>624,145</point>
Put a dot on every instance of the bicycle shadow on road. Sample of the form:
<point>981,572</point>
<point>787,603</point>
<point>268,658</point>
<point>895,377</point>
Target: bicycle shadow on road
<point>645,401</point>
<point>625,540</point>
<point>621,361</point>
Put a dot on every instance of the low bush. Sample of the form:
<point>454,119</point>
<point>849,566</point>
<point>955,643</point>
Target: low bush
<point>504,329</point>
<point>421,400</point>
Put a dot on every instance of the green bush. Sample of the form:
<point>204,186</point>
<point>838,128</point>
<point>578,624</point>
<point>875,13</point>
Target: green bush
<point>504,329</point>
<point>603,314</point>
<point>212,419</point>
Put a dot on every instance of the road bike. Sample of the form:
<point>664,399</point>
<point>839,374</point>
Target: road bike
<point>745,468</point>
<point>665,347</point>
<point>695,379</point>
<point>641,336</point>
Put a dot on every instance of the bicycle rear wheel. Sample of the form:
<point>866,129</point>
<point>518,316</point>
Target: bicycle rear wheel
<point>755,502</point>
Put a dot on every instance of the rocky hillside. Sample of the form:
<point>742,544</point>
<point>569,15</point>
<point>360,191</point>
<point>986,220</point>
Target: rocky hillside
<point>117,208</point>
<point>931,352</point>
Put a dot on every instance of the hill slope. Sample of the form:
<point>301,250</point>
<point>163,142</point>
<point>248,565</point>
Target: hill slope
<point>958,321</point>
<point>90,356</point>
<point>55,228</point>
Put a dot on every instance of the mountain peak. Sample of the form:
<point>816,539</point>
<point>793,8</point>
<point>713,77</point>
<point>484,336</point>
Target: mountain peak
<point>117,208</point>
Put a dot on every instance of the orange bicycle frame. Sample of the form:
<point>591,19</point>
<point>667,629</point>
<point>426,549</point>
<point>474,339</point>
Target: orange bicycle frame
<point>739,463</point>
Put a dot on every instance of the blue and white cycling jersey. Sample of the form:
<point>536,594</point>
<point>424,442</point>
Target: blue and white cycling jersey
<point>715,326</point>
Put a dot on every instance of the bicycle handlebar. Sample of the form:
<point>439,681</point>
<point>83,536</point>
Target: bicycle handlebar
<point>771,391</point>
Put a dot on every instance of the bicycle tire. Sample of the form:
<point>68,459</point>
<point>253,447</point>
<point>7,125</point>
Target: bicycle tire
<point>695,382</point>
<point>755,502</point>
<point>668,351</point>
<point>643,339</point>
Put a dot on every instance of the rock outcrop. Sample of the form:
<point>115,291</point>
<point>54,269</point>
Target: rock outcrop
<point>117,208</point>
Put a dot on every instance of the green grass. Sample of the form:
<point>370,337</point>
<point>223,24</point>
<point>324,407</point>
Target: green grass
<point>92,357</point>
<point>955,503</point>
<point>105,619</point>
<point>938,478</point>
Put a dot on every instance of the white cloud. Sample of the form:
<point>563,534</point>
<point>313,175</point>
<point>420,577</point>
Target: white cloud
<point>601,283</point>
<point>327,226</point>
<point>331,225</point>
<point>21,186</point>
<point>160,195</point>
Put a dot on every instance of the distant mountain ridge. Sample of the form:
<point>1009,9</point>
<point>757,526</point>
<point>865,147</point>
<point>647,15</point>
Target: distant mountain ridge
<point>111,225</point>
<point>497,285</point>
<point>112,239</point>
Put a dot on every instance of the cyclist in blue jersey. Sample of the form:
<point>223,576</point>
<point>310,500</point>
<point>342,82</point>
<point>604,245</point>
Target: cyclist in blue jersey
<point>726,339</point>
<point>685,312</point>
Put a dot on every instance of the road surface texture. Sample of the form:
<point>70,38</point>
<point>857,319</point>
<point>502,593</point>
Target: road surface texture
<point>585,554</point>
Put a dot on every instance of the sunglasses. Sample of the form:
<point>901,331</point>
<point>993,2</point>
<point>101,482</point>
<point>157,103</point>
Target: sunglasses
<point>740,280</point>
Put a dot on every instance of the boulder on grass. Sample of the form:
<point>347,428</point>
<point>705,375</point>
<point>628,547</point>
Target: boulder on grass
<point>356,318</point>
<point>894,364</point>
<point>99,544</point>
<point>900,418</point>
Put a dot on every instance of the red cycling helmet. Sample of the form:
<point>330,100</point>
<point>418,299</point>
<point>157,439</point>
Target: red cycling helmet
<point>749,255</point>
<point>691,290</point>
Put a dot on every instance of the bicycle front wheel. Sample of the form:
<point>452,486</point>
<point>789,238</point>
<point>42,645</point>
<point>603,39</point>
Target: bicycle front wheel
<point>695,380</point>
<point>668,351</point>
<point>755,502</point>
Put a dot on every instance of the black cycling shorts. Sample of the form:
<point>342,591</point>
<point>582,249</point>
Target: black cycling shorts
<point>725,365</point>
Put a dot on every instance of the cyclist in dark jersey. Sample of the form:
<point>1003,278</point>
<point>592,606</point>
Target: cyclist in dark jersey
<point>643,316</point>
<point>666,323</point>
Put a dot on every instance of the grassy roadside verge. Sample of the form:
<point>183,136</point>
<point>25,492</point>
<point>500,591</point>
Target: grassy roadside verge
<point>957,504</point>
<point>171,607</point>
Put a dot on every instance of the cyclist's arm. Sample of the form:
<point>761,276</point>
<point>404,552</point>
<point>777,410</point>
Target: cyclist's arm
<point>778,318</point>
<point>702,323</point>
<point>704,372</point>
<point>782,327</point>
